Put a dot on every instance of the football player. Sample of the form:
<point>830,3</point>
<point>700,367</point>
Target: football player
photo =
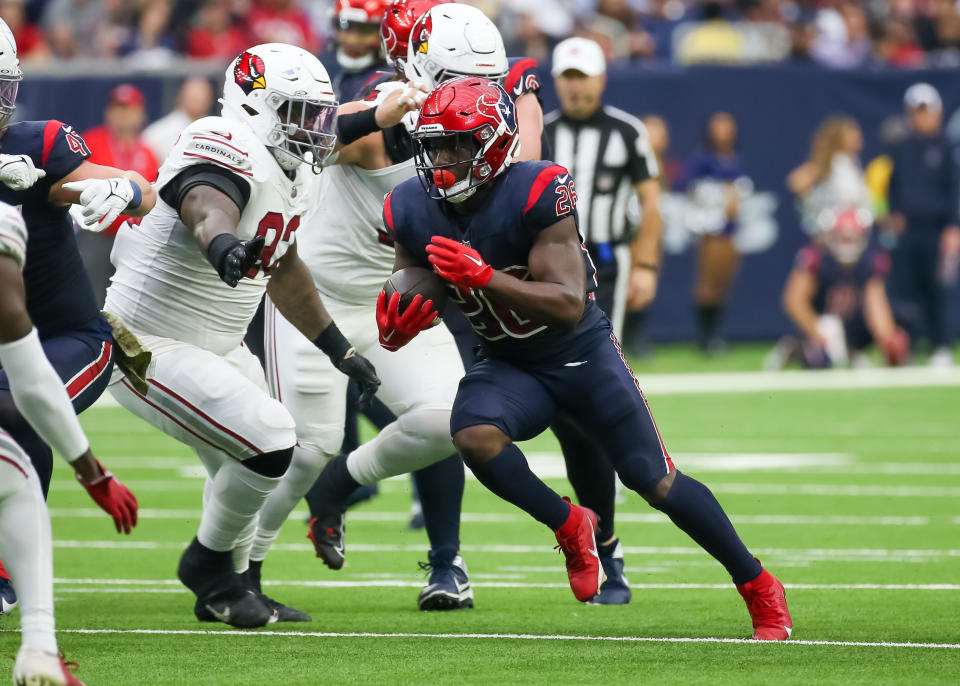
<point>43,169</point>
<point>356,25</point>
<point>505,238</point>
<point>38,391</point>
<point>836,297</point>
<point>189,278</point>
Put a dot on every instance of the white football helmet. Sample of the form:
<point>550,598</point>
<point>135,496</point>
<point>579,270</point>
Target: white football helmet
<point>10,74</point>
<point>284,94</point>
<point>453,40</point>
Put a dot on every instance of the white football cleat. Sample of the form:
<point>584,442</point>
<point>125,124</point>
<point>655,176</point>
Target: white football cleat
<point>34,667</point>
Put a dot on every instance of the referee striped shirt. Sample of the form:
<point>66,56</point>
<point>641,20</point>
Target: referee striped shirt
<point>606,154</point>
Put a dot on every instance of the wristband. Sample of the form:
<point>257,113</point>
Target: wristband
<point>137,196</point>
<point>356,125</point>
<point>333,343</point>
<point>219,247</point>
<point>647,265</point>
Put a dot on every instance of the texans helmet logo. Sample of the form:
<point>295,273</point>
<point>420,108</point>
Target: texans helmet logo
<point>501,109</point>
<point>248,72</point>
<point>421,33</point>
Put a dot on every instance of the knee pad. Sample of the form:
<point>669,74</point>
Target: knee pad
<point>428,426</point>
<point>272,465</point>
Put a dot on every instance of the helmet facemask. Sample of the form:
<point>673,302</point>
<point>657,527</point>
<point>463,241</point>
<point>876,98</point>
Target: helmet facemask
<point>8,99</point>
<point>306,133</point>
<point>451,165</point>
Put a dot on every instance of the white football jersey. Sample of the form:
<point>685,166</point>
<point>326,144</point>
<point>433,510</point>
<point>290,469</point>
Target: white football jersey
<point>343,240</point>
<point>164,284</point>
<point>13,234</point>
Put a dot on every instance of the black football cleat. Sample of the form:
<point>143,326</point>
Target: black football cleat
<point>281,612</point>
<point>448,587</point>
<point>326,534</point>
<point>222,594</point>
<point>615,590</point>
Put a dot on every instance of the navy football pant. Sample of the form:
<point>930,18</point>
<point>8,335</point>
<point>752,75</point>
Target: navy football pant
<point>599,393</point>
<point>84,360</point>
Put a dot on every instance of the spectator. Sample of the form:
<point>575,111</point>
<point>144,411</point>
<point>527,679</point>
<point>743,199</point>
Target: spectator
<point>75,27</point>
<point>712,179</point>
<point>115,143</point>
<point>842,40</point>
<point>280,21</point>
<point>31,44</point>
<point>831,182</point>
<point>193,102</point>
<point>715,39</point>
<point>216,34</point>
<point>898,46</point>
<point>150,43</point>
<point>836,298</point>
<point>923,200</point>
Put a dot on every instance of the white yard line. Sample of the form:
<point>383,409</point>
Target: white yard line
<point>108,585</point>
<point>506,518</point>
<point>514,637</point>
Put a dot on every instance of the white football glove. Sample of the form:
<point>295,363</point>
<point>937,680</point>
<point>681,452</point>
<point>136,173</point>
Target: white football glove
<point>102,200</point>
<point>18,173</point>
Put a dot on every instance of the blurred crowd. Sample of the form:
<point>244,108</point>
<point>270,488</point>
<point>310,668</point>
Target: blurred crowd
<point>831,33</point>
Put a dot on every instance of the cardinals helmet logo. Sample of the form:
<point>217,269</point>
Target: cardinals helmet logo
<point>420,35</point>
<point>248,72</point>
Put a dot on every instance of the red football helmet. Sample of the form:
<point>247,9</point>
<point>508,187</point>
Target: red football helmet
<point>466,134</point>
<point>359,12</point>
<point>398,20</point>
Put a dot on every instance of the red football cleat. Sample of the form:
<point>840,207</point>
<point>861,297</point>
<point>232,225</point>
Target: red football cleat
<point>3,572</point>
<point>577,540</point>
<point>767,602</point>
<point>68,669</point>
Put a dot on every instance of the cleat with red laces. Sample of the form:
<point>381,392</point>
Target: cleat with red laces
<point>767,602</point>
<point>577,540</point>
<point>34,667</point>
<point>326,534</point>
<point>8,597</point>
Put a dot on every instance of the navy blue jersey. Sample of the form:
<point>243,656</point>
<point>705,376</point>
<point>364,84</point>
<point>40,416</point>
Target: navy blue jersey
<point>526,199</point>
<point>352,85</point>
<point>522,78</point>
<point>59,296</point>
<point>840,286</point>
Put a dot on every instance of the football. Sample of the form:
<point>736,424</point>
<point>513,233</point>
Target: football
<point>414,281</point>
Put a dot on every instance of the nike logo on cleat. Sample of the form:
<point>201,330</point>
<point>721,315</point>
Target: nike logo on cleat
<point>221,616</point>
<point>789,630</point>
<point>575,364</point>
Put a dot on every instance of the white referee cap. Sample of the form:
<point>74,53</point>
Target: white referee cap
<point>922,95</point>
<point>581,54</point>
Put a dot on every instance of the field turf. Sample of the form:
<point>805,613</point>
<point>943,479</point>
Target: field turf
<point>851,497</point>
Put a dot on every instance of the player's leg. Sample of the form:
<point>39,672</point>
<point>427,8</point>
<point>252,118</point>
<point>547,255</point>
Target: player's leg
<point>25,541</point>
<point>620,418</point>
<point>314,392</point>
<point>208,402</point>
<point>497,404</point>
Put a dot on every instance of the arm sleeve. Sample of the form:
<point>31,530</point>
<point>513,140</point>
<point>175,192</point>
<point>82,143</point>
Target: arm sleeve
<point>230,184</point>
<point>40,396</point>
<point>523,78</point>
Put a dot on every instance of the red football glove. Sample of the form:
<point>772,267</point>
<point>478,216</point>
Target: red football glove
<point>397,330</point>
<point>114,498</point>
<point>457,263</point>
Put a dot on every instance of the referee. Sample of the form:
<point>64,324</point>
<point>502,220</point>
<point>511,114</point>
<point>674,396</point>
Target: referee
<point>609,156</point>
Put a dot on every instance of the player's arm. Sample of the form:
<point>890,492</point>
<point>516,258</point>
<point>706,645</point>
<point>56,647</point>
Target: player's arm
<point>39,394</point>
<point>529,125</point>
<point>104,193</point>
<point>292,290</point>
<point>359,124</point>
<point>555,296</point>
<point>645,248</point>
<point>798,302</point>
<point>876,310</point>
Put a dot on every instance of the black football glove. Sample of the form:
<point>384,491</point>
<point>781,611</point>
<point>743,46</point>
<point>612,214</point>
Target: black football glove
<point>345,358</point>
<point>233,259</point>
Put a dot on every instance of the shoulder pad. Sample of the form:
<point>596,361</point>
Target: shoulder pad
<point>13,234</point>
<point>220,145</point>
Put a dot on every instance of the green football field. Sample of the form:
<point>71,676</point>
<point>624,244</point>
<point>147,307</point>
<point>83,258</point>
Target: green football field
<point>850,497</point>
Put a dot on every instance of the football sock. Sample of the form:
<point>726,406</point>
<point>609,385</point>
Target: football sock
<point>607,550</point>
<point>304,469</point>
<point>693,508</point>
<point>508,475</point>
<point>26,548</point>
<point>17,426</point>
<point>440,487</point>
<point>590,473</point>
<point>234,498</point>
<point>243,546</point>
<point>416,440</point>
<point>333,488</point>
